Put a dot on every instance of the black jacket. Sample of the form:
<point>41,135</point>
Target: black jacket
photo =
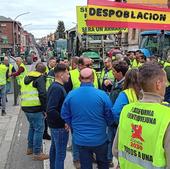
<point>40,84</point>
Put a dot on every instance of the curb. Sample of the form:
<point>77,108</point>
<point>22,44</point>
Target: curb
<point>7,141</point>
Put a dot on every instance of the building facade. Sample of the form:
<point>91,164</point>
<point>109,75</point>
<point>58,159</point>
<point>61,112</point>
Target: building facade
<point>10,35</point>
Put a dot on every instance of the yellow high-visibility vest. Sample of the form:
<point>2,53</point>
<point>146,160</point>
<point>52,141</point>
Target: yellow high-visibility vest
<point>3,71</point>
<point>10,71</point>
<point>131,95</point>
<point>142,129</point>
<point>74,75</point>
<point>22,75</point>
<point>29,94</point>
<point>109,75</point>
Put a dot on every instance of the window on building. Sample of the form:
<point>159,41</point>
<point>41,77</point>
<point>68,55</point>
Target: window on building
<point>4,39</point>
<point>133,34</point>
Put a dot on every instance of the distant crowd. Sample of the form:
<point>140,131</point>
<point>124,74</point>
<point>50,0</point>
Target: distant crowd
<point>106,113</point>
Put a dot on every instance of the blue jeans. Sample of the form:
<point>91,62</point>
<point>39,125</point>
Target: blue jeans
<point>75,151</point>
<point>36,130</point>
<point>8,87</point>
<point>3,96</point>
<point>111,136</point>
<point>86,156</point>
<point>59,139</point>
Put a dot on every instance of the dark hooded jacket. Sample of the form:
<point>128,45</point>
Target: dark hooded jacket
<point>39,82</point>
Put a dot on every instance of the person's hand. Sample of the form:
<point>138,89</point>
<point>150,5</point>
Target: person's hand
<point>67,127</point>
<point>107,82</point>
<point>9,74</point>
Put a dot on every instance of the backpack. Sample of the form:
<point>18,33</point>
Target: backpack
<point>116,89</point>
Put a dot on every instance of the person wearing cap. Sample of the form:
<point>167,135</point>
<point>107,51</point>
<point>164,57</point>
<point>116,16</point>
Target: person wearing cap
<point>87,111</point>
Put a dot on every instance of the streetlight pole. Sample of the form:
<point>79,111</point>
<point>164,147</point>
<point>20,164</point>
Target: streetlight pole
<point>13,25</point>
<point>27,25</point>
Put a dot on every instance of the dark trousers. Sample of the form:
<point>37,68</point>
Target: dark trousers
<point>46,126</point>
<point>86,156</point>
<point>111,135</point>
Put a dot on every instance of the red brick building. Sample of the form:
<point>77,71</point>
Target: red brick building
<point>10,34</point>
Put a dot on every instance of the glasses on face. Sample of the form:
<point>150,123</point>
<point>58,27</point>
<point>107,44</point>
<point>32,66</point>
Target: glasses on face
<point>88,65</point>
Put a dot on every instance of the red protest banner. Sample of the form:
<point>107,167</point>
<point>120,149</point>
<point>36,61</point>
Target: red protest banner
<point>105,13</point>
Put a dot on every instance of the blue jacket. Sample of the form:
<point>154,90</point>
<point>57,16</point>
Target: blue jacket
<point>88,111</point>
<point>120,102</point>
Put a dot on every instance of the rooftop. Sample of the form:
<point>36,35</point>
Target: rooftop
<point>3,18</point>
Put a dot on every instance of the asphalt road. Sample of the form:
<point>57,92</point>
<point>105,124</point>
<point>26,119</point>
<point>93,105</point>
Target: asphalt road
<point>17,157</point>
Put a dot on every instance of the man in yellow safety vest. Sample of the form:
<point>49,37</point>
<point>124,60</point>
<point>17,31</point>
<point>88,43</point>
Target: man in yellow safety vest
<point>3,75</point>
<point>142,140</point>
<point>33,103</point>
<point>21,72</point>
<point>10,69</point>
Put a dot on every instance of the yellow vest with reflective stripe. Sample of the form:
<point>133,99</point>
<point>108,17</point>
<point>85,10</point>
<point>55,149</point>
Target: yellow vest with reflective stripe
<point>47,69</point>
<point>95,79</point>
<point>166,64</point>
<point>22,75</point>
<point>49,81</point>
<point>10,71</point>
<point>109,75</point>
<point>135,64</point>
<point>74,75</point>
<point>29,94</point>
<point>131,95</point>
<point>3,71</point>
<point>142,129</point>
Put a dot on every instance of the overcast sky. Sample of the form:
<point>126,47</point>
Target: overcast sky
<point>44,14</point>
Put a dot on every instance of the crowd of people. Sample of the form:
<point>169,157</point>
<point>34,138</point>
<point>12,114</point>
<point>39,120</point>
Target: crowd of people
<point>123,111</point>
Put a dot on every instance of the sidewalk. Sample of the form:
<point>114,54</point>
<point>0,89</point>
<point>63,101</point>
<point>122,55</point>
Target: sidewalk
<point>7,128</point>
